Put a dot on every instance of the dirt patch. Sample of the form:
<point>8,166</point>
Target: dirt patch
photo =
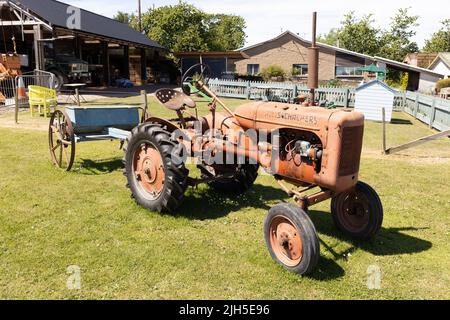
<point>25,122</point>
<point>416,159</point>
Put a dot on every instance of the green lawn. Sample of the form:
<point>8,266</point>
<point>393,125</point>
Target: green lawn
<point>214,247</point>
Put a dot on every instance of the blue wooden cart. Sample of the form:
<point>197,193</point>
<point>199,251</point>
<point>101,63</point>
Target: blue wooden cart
<point>81,124</point>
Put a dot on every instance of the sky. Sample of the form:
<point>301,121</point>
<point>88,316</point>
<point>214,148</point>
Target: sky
<point>268,18</point>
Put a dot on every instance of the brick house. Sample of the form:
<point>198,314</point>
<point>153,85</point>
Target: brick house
<point>289,51</point>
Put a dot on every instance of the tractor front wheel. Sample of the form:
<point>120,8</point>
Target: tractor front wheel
<point>358,212</point>
<point>291,238</point>
<point>154,168</point>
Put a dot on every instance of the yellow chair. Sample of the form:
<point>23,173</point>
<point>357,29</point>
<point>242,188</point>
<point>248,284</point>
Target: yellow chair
<point>41,97</point>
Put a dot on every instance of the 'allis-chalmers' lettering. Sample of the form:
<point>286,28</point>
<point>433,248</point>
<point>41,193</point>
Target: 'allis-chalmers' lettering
<point>311,120</point>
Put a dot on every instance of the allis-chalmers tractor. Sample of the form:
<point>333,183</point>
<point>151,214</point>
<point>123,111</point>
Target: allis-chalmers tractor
<point>306,147</point>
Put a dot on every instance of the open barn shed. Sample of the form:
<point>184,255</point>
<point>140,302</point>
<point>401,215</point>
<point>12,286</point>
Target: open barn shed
<point>71,42</point>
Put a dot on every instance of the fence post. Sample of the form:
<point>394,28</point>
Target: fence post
<point>432,113</point>
<point>248,90</point>
<point>383,113</point>
<point>416,107</point>
<point>347,93</point>
<point>144,105</point>
<point>404,101</point>
<point>295,92</point>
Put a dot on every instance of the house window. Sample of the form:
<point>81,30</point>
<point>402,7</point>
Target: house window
<point>299,69</point>
<point>252,69</point>
<point>348,72</point>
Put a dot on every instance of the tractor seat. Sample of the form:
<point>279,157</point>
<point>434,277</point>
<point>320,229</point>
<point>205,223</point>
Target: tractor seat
<point>174,100</point>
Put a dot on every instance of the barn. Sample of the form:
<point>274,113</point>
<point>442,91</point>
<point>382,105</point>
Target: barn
<point>372,97</point>
<point>76,44</point>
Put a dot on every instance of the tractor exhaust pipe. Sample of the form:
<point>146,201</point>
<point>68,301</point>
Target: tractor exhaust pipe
<point>313,62</point>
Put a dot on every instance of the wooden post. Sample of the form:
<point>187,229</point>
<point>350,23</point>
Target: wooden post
<point>404,101</point>
<point>106,66</point>
<point>383,112</point>
<point>347,93</point>
<point>77,96</point>
<point>248,90</point>
<point>38,51</point>
<point>126,62</point>
<point>144,105</point>
<point>432,113</point>
<point>416,107</point>
<point>418,142</point>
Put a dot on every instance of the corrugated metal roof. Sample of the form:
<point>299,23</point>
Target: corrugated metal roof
<point>56,13</point>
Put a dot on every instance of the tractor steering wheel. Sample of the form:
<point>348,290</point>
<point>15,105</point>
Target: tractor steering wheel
<point>191,76</point>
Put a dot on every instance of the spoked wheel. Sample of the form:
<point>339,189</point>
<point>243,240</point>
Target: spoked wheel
<point>61,140</point>
<point>154,168</point>
<point>358,212</point>
<point>291,238</point>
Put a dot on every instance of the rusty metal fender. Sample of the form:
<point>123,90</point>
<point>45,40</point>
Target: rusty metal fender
<point>170,126</point>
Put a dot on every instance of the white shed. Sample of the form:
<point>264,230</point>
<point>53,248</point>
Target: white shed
<point>372,97</point>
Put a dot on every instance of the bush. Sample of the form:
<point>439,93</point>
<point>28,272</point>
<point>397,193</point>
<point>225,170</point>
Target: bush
<point>334,83</point>
<point>296,71</point>
<point>444,83</point>
<point>405,81</point>
<point>272,72</point>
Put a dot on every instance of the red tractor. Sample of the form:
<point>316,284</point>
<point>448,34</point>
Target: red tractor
<point>307,147</point>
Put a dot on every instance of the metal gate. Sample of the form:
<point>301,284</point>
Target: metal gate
<point>17,88</point>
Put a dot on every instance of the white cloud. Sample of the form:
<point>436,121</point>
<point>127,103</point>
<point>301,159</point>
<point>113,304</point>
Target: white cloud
<point>266,18</point>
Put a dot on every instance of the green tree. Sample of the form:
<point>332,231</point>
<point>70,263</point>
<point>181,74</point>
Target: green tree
<point>183,27</point>
<point>331,38</point>
<point>358,34</point>
<point>226,32</point>
<point>124,17</point>
<point>396,42</point>
<point>440,40</point>
<point>179,28</point>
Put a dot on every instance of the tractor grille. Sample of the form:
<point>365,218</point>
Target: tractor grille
<point>352,138</point>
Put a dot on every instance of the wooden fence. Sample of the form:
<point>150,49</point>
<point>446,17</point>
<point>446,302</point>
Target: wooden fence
<point>433,111</point>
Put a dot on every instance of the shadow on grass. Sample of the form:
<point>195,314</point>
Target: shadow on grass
<point>99,167</point>
<point>208,204</point>
<point>401,121</point>
<point>389,241</point>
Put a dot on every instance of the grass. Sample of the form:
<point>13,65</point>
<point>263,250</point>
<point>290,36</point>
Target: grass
<point>213,248</point>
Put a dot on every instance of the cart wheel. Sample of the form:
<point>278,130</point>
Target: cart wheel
<point>156,175</point>
<point>61,140</point>
<point>358,212</point>
<point>291,238</point>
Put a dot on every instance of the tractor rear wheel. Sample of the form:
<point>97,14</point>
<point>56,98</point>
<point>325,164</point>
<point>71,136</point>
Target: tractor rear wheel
<point>358,212</point>
<point>154,168</point>
<point>241,181</point>
<point>291,238</point>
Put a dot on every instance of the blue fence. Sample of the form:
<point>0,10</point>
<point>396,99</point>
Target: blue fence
<point>432,110</point>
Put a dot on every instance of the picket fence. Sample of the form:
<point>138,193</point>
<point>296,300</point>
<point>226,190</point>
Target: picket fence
<point>432,110</point>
